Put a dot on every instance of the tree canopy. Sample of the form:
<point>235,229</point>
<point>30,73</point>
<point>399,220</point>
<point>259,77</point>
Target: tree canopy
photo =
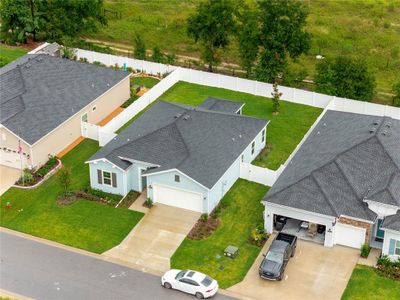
<point>49,19</point>
<point>211,26</point>
<point>345,77</point>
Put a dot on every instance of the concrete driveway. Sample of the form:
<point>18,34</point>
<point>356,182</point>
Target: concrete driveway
<point>155,238</point>
<point>8,176</point>
<point>315,272</point>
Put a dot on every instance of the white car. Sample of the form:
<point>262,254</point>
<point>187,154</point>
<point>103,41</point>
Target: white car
<point>191,282</point>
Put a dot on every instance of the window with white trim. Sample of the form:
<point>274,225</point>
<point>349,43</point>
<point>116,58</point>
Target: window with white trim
<point>107,178</point>
<point>263,136</point>
<point>397,248</point>
<point>242,157</point>
<point>253,145</point>
<point>94,108</point>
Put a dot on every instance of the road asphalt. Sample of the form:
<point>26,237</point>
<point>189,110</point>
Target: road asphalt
<point>41,271</point>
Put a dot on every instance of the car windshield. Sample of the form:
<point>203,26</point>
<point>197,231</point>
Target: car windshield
<point>274,256</point>
<point>180,274</point>
<point>206,281</point>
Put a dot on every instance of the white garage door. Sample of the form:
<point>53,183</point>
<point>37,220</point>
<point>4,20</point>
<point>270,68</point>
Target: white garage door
<point>11,159</point>
<point>350,236</point>
<point>177,197</point>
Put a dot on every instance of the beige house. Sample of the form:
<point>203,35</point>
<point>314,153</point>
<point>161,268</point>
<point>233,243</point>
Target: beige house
<point>43,101</point>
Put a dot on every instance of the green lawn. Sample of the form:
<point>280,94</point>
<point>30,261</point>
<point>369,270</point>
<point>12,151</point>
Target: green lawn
<point>284,131</point>
<point>147,82</point>
<point>243,213</point>
<point>367,29</point>
<point>365,283</point>
<point>83,224</point>
<point>9,54</point>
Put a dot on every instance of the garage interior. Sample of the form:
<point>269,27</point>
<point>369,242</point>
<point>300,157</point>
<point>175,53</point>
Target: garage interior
<point>302,229</point>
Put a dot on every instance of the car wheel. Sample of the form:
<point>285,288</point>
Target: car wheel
<point>167,285</point>
<point>293,253</point>
<point>280,277</point>
<point>199,295</point>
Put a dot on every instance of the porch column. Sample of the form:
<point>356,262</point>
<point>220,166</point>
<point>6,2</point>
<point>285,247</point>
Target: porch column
<point>268,219</point>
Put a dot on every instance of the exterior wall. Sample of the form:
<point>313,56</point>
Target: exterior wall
<point>68,132</point>
<point>11,142</point>
<point>168,179</point>
<point>121,188</point>
<point>361,224</point>
<point>259,146</point>
<point>271,210</point>
<point>134,178</point>
<point>389,234</point>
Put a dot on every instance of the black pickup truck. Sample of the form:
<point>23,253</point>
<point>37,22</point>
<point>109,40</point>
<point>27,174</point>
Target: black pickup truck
<point>277,257</point>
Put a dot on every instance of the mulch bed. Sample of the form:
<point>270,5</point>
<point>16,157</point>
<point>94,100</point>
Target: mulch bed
<point>203,229</point>
<point>36,177</point>
<point>392,271</point>
<point>69,199</point>
<point>129,199</point>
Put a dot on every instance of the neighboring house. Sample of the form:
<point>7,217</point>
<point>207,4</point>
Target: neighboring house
<point>43,101</point>
<point>188,157</point>
<point>346,177</point>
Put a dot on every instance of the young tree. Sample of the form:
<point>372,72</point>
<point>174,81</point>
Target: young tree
<point>247,35</point>
<point>276,96</point>
<point>211,25</point>
<point>170,58</point>
<point>139,51</point>
<point>396,97</point>
<point>282,35</point>
<point>64,178</point>
<point>345,77</point>
<point>157,56</point>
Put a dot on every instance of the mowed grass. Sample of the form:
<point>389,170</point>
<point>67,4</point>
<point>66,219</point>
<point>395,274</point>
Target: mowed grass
<point>367,29</point>
<point>366,283</point>
<point>284,131</point>
<point>243,212</point>
<point>147,82</point>
<point>9,54</point>
<point>82,224</point>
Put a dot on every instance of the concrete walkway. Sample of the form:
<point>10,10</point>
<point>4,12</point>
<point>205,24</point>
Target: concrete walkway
<point>8,176</point>
<point>155,238</point>
<point>372,258</point>
<point>316,272</point>
<point>138,204</point>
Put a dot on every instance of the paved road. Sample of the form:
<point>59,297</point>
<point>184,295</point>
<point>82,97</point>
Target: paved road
<point>41,271</point>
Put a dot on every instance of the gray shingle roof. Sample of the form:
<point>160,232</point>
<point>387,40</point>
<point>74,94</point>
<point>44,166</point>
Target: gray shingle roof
<point>222,105</point>
<point>392,222</point>
<point>39,92</point>
<point>347,158</point>
<point>201,143</point>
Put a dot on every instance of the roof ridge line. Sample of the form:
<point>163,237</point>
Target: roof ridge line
<point>324,194</point>
<point>384,149</point>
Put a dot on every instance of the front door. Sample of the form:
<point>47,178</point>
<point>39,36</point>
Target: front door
<point>379,232</point>
<point>144,180</point>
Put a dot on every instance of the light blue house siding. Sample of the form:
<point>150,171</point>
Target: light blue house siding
<point>121,182</point>
<point>134,180</point>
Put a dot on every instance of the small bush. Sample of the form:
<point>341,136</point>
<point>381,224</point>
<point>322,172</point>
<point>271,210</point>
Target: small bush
<point>111,198</point>
<point>388,268</point>
<point>204,217</point>
<point>149,203</point>
<point>258,237</point>
<point>26,177</point>
<point>365,249</point>
<point>48,166</point>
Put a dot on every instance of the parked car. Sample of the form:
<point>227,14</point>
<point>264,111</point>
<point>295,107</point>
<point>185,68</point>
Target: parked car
<point>275,261</point>
<point>191,282</point>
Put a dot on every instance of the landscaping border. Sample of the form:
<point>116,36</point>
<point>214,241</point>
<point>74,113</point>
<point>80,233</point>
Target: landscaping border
<point>47,176</point>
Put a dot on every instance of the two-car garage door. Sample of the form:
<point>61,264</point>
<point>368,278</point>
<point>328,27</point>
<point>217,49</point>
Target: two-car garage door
<point>350,236</point>
<point>177,197</point>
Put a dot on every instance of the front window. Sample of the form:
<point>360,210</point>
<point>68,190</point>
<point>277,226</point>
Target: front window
<point>263,136</point>
<point>107,178</point>
<point>397,249</point>
<point>180,274</point>
<point>253,144</point>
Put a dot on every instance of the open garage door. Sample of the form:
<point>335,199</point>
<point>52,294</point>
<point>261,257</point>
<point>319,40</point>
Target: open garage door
<point>177,197</point>
<point>350,236</point>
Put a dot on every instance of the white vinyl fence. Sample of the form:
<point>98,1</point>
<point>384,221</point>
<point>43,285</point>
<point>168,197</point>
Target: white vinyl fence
<point>250,172</point>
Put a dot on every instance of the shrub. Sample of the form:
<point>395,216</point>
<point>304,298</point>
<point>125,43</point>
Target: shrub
<point>26,177</point>
<point>365,249</point>
<point>258,236</point>
<point>149,203</point>
<point>64,178</point>
<point>112,198</point>
<point>204,217</point>
<point>388,268</point>
<point>48,166</point>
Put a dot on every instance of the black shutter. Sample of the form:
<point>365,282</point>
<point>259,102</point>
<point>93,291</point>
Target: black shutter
<point>99,177</point>
<point>114,179</point>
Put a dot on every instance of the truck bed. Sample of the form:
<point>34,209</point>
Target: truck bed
<point>288,238</point>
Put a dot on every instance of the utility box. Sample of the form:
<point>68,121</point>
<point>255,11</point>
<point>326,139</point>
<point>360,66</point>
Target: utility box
<point>231,251</point>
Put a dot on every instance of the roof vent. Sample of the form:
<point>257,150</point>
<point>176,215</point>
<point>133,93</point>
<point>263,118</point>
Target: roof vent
<point>177,116</point>
<point>186,117</point>
<point>318,133</point>
<point>324,124</point>
<point>385,133</point>
<point>233,139</point>
<point>388,124</point>
<point>376,122</point>
<point>372,130</point>
<point>240,136</point>
<point>128,140</point>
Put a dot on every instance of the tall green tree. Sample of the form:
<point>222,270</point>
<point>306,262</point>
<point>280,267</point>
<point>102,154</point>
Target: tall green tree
<point>247,34</point>
<point>211,26</point>
<point>345,77</point>
<point>157,56</point>
<point>139,50</point>
<point>282,35</point>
